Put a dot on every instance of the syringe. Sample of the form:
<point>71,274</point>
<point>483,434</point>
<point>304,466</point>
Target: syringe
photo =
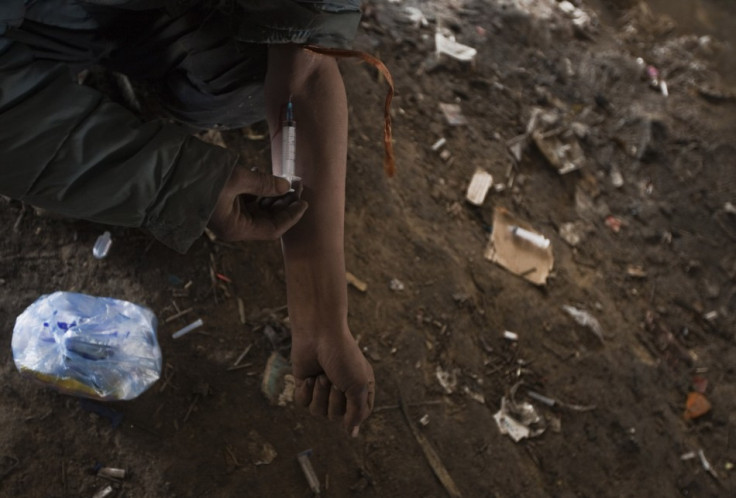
<point>535,239</point>
<point>288,147</point>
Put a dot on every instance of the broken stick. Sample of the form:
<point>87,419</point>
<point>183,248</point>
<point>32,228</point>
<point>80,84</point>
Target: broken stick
<point>429,452</point>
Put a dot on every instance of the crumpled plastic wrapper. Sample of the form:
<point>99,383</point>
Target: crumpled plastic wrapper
<point>95,347</point>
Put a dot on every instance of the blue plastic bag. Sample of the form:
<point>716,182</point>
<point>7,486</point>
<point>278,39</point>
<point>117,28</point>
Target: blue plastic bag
<point>96,347</point>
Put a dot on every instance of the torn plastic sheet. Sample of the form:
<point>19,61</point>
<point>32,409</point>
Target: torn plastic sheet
<point>519,420</point>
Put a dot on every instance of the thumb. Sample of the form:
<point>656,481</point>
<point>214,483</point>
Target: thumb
<point>260,184</point>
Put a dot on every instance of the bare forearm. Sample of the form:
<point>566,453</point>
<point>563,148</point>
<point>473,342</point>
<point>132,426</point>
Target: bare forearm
<point>313,249</point>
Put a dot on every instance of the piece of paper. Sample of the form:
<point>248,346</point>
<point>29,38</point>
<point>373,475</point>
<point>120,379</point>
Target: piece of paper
<point>517,254</point>
<point>479,186</point>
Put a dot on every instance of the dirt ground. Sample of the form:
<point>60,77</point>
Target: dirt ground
<point>659,168</point>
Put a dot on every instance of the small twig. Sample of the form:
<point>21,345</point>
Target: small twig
<point>395,407</point>
<point>178,315</point>
<point>242,355</point>
<point>239,367</point>
<point>167,381</point>
<point>230,452</point>
<point>241,310</point>
<point>191,407</point>
<point>430,454</point>
<point>554,402</point>
<point>16,225</point>
<point>724,227</point>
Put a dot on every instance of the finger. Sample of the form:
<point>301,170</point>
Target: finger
<point>278,202</point>
<point>357,408</point>
<point>304,388</point>
<point>337,404</point>
<point>260,184</point>
<point>267,225</point>
<point>320,396</point>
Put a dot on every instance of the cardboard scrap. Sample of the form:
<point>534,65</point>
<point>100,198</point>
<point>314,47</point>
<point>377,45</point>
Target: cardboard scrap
<point>479,186</point>
<point>516,254</point>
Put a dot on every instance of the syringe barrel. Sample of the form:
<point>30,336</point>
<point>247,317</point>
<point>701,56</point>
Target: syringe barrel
<point>288,151</point>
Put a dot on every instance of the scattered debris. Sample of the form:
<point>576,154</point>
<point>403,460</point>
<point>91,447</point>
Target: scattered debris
<point>572,232</point>
<point>356,282</point>
<point>416,17</point>
<point>511,336</point>
<point>479,186</point>
<point>396,285</point>
<point>286,396</point>
<point>447,379</point>
<point>241,356</point>
<point>700,384</point>
<point>280,338</point>
<point>453,114</point>
<point>635,271</point>
<point>192,326</point>
<point>614,223</point>
<point>278,383</point>
<point>224,278</point>
<point>553,402</point>
<point>711,316</point>
<point>706,464</point>
<point>261,451</point>
<point>104,492</point>
<point>241,311</point>
<point>652,75</point>
<point>111,473</point>
<point>585,319</point>
<point>475,396</point>
<point>518,421</point>
<point>430,454</point>
<point>439,144</point>
<point>424,421</point>
<point>306,464</point>
<point>556,140</point>
<point>581,20</point>
<point>696,406</point>
<point>519,255</point>
<point>102,245</point>
<point>448,46</point>
<point>617,178</point>
<point>178,315</point>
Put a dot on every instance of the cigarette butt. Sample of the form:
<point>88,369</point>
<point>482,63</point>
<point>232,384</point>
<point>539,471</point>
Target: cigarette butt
<point>356,431</point>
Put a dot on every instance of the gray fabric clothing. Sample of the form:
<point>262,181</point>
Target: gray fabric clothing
<point>67,148</point>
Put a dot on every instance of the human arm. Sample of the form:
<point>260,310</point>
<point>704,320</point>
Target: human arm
<point>67,148</point>
<point>324,353</point>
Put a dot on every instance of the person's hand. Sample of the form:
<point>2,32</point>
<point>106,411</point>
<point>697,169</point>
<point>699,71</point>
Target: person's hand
<point>239,215</point>
<point>334,379</point>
